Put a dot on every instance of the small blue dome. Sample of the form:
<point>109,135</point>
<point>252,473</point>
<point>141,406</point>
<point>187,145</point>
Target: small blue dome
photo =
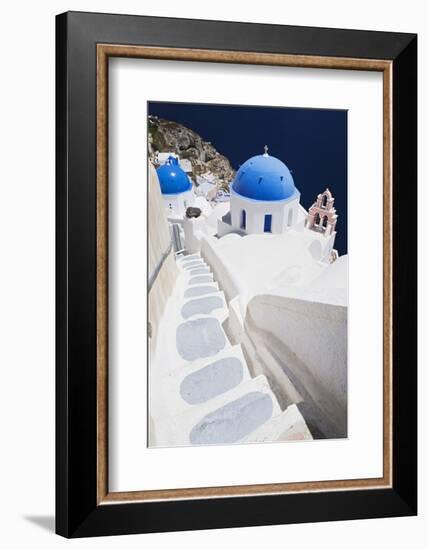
<point>172,178</point>
<point>264,178</point>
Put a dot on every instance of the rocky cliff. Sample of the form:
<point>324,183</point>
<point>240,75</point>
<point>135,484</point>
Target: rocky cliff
<point>206,161</point>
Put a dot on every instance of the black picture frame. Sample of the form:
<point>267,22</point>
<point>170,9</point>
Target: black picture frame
<point>78,513</point>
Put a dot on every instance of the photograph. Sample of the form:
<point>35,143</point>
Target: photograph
<point>247,274</point>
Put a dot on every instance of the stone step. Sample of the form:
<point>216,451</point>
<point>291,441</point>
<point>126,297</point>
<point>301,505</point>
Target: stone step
<point>223,420</point>
<point>189,257</point>
<point>195,383</point>
<point>212,305</point>
<point>204,278</point>
<point>289,425</point>
<point>199,290</point>
<point>195,264</point>
<point>199,338</point>
<point>187,263</point>
<point>186,340</point>
<point>194,270</point>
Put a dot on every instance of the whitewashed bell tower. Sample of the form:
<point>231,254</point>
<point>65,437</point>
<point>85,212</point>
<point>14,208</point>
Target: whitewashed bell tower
<point>322,219</point>
<point>322,215</point>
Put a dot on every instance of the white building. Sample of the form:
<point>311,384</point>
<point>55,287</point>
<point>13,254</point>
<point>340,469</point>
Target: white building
<point>176,188</point>
<point>263,198</point>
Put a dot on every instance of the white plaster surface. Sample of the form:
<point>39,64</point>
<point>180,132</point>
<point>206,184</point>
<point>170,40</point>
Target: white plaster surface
<point>256,210</point>
<point>176,205</point>
<point>253,264</point>
<point>289,425</point>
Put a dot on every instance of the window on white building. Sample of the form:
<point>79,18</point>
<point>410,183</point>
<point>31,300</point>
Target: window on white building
<point>243,219</point>
<point>268,223</point>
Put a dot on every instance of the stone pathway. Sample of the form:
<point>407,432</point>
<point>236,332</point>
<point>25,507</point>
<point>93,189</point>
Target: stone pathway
<point>210,399</point>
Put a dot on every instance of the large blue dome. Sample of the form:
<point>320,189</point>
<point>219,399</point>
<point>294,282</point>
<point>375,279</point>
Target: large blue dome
<point>172,178</point>
<point>264,178</point>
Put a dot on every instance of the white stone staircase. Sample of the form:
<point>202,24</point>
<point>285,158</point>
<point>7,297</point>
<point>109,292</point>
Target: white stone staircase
<point>210,398</point>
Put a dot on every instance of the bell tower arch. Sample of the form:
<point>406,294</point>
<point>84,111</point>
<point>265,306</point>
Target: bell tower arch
<point>322,215</point>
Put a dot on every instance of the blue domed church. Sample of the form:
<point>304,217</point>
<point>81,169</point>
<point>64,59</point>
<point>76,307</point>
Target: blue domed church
<point>263,198</point>
<point>176,188</point>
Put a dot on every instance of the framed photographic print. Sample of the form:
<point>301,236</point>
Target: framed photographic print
<point>236,274</point>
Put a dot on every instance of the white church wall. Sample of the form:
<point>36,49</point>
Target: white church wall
<point>255,212</point>
<point>224,228</point>
<point>176,204</point>
<point>300,216</point>
<point>291,214</point>
<point>237,204</point>
<point>329,246</point>
<point>322,245</point>
<point>170,203</point>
